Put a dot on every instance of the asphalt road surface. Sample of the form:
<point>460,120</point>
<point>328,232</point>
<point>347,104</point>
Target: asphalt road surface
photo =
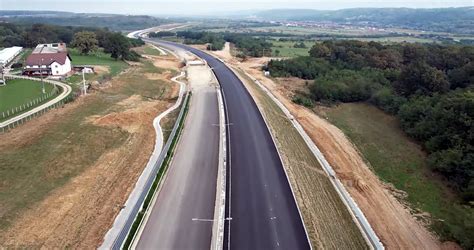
<point>181,217</point>
<point>262,209</point>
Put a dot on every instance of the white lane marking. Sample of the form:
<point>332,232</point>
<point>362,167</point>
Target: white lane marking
<point>205,220</point>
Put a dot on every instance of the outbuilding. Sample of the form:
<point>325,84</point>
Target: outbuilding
<point>8,54</point>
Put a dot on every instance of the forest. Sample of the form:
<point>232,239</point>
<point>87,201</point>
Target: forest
<point>428,87</point>
<point>29,36</point>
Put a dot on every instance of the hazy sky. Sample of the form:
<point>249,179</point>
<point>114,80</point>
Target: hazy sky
<point>189,7</point>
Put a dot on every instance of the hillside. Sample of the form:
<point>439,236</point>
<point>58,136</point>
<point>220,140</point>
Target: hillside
<point>456,20</point>
<point>110,21</point>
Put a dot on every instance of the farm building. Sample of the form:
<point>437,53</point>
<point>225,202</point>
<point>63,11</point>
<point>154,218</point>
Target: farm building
<point>48,59</point>
<point>8,54</point>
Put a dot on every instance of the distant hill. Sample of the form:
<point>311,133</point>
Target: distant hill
<point>456,20</point>
<point>110,21</point>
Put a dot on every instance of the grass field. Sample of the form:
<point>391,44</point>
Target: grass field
<point>317,199</point>
<point>287,49</point>
<point>147,50</point>
<point>98,58</point>
<point>398,160</point>
<point>20,91</point>
<point>31,171</point>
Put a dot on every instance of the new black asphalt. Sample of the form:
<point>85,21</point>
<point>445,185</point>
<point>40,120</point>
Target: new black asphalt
<point>261,212</point>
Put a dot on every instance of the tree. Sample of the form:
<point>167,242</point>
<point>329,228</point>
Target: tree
<point>85,41</point>
<point>320,51</point>
<point>277,53</point>
<point>117,45</point>
<point>420,78</point>
<point>300,45</point>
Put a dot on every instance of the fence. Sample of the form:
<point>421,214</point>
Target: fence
<point>36,107</point>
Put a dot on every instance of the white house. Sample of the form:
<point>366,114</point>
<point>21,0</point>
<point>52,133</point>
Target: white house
<point>48,59</point>
<point>55,64</point>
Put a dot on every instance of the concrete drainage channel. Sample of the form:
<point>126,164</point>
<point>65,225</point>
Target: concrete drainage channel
<point>130,217</point>
<point>163,163</point>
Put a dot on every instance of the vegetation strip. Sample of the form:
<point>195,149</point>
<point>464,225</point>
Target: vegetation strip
<point>172,141</point>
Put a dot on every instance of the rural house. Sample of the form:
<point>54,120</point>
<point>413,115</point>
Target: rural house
<point>48,59</point>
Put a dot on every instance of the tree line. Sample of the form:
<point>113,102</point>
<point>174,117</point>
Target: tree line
<point>247,44</point>
<point>86,39</point>
<point>429,88</point>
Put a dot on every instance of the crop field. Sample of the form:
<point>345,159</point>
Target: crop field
<point>395,39</point>
<point>287,49</point>
<point>327,220</point>
<point>398,160</point>
<point>355,33</point>
<point>18,92</point>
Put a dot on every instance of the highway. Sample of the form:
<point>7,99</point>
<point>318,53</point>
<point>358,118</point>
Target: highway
<point>182,213</point>
<point>261,210</point>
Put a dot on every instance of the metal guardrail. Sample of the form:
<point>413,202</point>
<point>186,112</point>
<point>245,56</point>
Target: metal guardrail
<point>120,240</point>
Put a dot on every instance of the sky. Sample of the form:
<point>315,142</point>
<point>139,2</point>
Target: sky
<point>209,7</point>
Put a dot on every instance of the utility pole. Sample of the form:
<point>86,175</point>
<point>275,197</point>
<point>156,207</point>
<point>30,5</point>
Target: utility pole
<point>2,68</point>
<point>41,76</point>
<point>84,81</point>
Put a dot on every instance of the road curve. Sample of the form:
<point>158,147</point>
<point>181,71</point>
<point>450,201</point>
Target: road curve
<point>65,93</point>
<point>261,210</point>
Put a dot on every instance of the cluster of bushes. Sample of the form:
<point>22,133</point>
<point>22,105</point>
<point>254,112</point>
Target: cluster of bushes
<point>430,88</point>
<point>250,46</point>
<point>161,34</point>
<point>300,45</point>
<point>215,41</point>
<point>85,39</point>
<point>302,67</point>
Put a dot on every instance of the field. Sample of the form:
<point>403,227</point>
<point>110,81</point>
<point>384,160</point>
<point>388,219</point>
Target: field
<point>65,175</point>
<point>316,197</point>
<point>148,50</point>
<point>19,91</point>
<point>387,35</point>
<point>97,58</point>
<point>398,160</point>
<point>287,49</point>
<point>105,67</point>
